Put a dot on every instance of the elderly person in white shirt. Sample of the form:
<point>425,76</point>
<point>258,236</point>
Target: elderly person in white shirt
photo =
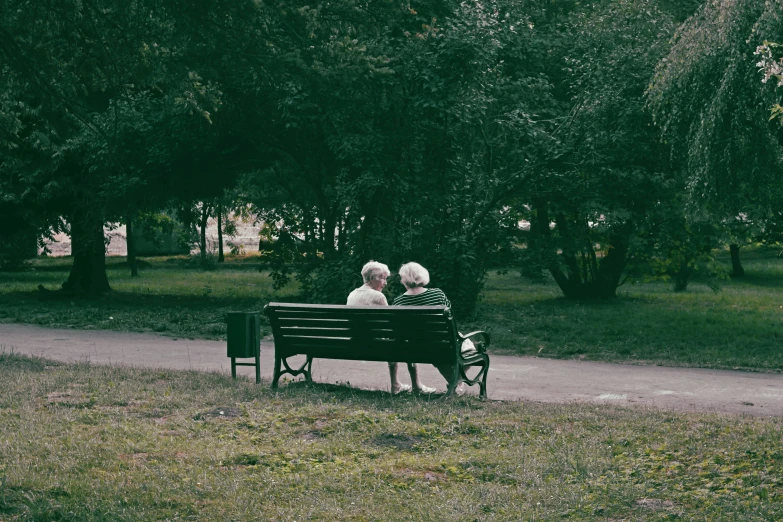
<point>374,275</point>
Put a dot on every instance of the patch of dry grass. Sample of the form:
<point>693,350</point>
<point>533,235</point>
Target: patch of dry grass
<point>80,442</point>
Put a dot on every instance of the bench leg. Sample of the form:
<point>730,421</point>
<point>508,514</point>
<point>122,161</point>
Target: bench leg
<point>481,376</point>
<point>454,381</point>
<point>276,375</point>
<point>308,369</point>
<point>281,362</point>
<point>483,383</point>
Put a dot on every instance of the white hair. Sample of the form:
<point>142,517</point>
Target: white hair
<point>413,275</point>
<point>374,270</point>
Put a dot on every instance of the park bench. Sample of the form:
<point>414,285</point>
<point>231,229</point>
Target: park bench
<point>405,334</point>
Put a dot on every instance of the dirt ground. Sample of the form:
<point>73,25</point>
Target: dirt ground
<point>511,378</point>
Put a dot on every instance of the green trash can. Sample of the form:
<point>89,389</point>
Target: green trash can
<point>244,339</point>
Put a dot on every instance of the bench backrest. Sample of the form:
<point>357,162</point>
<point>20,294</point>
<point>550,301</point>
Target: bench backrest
<point>425,334</point>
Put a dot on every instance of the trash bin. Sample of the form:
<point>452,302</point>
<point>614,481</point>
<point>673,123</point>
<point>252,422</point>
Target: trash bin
<point>244,334</point>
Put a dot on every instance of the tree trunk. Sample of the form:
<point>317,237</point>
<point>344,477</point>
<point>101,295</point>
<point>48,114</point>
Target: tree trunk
<point>364,243</point>
<point>341,227</point>
<point>310,246</point>
<point>88,272</point>
<point>220,233</point>
<point>539,229</point>
<point>328,235</point>
<point>601,282</point>
<point>736,266</point>
<point>134,268</point>
<point>611,268</point>
<point>203,224</point>
<point>682,277</point>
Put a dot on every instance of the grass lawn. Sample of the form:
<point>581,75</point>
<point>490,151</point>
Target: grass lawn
<point>85,443</point>
<point>741,326</point>
<point>170,297</point>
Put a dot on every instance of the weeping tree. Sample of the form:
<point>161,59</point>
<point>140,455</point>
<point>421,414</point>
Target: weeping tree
<point>712,112</point>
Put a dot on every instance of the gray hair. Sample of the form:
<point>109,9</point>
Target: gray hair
<point>413,275</point>
<point>374,270</point>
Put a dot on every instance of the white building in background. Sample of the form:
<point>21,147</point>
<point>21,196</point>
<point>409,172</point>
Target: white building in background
<point>246,237</point>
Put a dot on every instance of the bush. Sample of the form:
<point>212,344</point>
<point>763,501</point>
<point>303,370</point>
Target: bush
<point>17,246</point>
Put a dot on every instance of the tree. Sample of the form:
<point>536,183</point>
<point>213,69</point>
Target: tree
<point>426,133</point>
<point>105,113</point>
<point>587,210</point>
<point>66,85</point>
<point>404,134</point>
<point>711,111</point>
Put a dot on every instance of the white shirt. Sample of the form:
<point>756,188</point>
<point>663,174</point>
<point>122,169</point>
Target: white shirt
<point>365,296</point>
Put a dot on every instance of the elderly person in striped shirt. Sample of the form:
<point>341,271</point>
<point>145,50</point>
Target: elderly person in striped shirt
<point>374,275</point>
<point>415,278</point>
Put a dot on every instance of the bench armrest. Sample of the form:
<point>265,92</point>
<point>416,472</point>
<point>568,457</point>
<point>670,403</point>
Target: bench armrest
<point>481,344</point>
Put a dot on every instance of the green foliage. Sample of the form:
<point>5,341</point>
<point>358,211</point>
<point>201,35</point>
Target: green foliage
<point>478,113</point>
<point>18,239</point>
<point>423,127</point>
<point>112,109</point>
<point>711,109</point>
<point>330,281</point>
<point>684,250</point>
<point>771,65</point>
<point>389,130</point>
<point>153,225</point>
<point>611,170</point>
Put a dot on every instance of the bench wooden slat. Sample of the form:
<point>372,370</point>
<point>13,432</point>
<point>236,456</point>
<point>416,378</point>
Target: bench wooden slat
<point>379,352</point>
<point>396,310</point>
<point>328,311</point>
<point>378,355</point>
<point>396,326</point>
<point>363,343</point>
<point>388,331</point>
<point>307,330</point>
<point>425,343</point>
<point>429,319</point>
<point>360,313</point>
<point>413,321</point>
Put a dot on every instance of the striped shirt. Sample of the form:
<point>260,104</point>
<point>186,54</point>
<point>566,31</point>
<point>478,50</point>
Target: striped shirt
<point>429,297</point>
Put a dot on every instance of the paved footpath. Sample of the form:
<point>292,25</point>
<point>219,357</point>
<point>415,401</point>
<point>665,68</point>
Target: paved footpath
<point>510,377</point>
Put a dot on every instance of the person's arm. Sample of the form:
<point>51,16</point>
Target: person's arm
<point>446,299</point>
<point>377,298</point>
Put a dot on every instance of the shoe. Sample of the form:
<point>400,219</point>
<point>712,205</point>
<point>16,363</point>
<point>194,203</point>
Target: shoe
<point>426,390</point>
<point>460,390</point>
<point>401,388</point>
